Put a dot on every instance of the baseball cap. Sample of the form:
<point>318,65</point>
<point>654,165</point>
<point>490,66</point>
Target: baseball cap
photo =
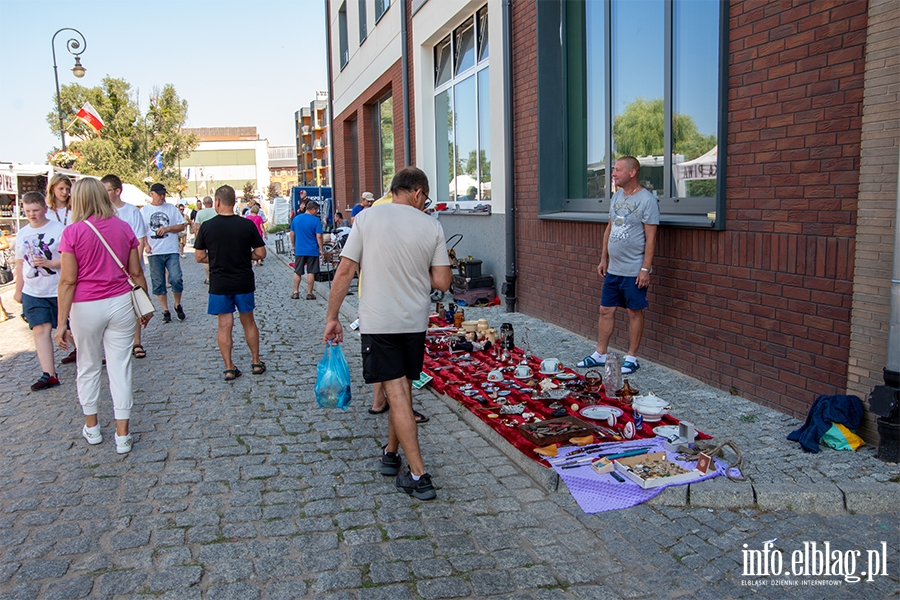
<point>158,188</point>
<point>368,196</point>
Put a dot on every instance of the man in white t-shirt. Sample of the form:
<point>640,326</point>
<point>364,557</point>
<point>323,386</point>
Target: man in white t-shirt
<point>164,222</point>
<point>131,215</point>
<point>37,278</point>
<point>400,272</point>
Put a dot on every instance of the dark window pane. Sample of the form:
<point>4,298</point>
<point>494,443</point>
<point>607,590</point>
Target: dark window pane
<point>363,27</point>
<point>443,134</point>
<point>586,98</point>
<point>442,61</point>
<point>380,7</point>
<point>695,104</point>
<point>637,84</point>
<point>343,39</point>
<point>464,39</point>
<point>484,136</point>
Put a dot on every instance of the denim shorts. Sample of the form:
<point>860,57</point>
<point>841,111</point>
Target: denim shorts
<point>159,264</point>
<point>624,292</point>
<point>38,311</point>
<point>224,304</point>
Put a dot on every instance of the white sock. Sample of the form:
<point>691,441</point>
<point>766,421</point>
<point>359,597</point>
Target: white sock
<point>598,357</point>
<point>629,358</point>
<point>415,477</point>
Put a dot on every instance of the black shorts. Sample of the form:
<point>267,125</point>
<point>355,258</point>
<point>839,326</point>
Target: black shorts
<point>310,262</point>
<point>388,356</point>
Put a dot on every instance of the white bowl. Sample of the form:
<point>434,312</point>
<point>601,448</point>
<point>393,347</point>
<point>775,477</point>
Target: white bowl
<point>651,406</point>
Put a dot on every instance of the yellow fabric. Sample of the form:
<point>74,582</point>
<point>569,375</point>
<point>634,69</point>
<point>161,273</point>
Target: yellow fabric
<point>854,440</point>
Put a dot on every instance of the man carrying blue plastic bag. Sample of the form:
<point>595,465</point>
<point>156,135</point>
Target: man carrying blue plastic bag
<point>403,254</point>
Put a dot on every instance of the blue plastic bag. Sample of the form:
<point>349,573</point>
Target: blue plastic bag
<point>333,379</point>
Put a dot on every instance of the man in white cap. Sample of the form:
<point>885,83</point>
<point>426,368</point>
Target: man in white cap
<point>368,198</point>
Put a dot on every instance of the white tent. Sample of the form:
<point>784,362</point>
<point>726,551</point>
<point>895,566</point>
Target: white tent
<point>133,195</point>
<point>702,167</point>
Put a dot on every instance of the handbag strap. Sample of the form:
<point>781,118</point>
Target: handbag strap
<point>113,254</point>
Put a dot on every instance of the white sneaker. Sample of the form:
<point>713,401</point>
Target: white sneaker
<point>123,444</point>
<point>92,434</point>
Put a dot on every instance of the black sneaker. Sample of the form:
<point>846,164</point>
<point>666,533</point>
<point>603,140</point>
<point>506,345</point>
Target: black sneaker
<point>46,381</point>
<point>421,489</point>
<point>167,317</point>
<point>390,463</point>
<point>179,312</point>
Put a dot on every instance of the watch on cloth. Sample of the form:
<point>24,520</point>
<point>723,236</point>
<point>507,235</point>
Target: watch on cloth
<point>647,271</point>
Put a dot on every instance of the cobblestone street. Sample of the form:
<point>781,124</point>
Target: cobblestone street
<point>248,490</point>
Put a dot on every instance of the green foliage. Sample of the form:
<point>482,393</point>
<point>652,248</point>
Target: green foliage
<point>248,192</point>
<point>640,131</point>
<point>274,190</point>
<point>278,228</point>
<point>128,141</point>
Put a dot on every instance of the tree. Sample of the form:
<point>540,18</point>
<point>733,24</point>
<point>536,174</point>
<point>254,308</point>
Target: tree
<point>640,130</point>
<point>248,191</point>
<point>128,140</point>
<point>274,190</point>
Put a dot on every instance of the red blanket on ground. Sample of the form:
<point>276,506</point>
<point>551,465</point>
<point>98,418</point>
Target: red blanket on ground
<point>453,371</point>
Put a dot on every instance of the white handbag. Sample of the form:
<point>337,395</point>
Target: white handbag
<point>140,301</point>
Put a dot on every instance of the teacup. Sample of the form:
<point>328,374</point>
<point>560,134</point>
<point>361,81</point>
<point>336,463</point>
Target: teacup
<point>495,375</point>
<point>550,365</point>
<point>523,371</point>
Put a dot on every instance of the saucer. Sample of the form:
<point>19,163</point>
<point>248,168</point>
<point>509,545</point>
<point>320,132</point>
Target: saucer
<point>600,412</point>
<point>565,376</point>
<point>665,431</point>
<point>523,378</point>
<point>550,372</point>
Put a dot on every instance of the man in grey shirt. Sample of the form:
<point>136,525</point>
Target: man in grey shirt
<point>626,262</point>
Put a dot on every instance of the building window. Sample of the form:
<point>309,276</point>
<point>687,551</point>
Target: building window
<point>342,37</point>
<point>384,135</point>
<point>462,117</point>
<point>363,26</point>
<point>381,7</point>
<point>658,100</point>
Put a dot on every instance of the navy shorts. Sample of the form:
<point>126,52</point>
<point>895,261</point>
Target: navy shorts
<point>388,356</point>
<point>310,262</point>
<point>225,304</point>
<point>624,292</point>
<point>38,311</point>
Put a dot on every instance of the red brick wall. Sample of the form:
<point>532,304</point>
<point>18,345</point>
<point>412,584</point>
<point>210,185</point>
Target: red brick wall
<point>764,307</point>
<point>363,110</point>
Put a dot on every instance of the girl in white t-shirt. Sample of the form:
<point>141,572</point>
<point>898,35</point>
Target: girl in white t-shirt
<point>58,195</point>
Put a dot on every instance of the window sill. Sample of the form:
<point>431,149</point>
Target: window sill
<point>463,213</point>
<point>688,221</point>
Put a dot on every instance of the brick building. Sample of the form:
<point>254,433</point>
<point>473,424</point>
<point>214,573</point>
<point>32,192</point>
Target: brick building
<point>767,129</point>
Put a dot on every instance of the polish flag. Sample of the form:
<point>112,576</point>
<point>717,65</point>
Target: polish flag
<point>89,115</point>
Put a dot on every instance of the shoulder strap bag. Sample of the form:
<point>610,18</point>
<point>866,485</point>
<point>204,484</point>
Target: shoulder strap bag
<point>140,301</point>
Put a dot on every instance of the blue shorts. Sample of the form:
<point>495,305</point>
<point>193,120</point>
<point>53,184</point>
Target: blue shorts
<point>224,304</point>
<point>624,292</point>
<point>159,264</point>
<point>38,311</point>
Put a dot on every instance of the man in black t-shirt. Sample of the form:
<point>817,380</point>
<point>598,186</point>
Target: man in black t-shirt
<point>230,244</point>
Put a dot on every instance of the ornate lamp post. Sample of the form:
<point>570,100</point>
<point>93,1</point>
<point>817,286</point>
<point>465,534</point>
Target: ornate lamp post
<point>75,48</point>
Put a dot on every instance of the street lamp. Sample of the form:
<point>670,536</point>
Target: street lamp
<point>75,48</point>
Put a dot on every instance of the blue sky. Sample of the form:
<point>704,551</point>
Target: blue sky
<point>236,63</point>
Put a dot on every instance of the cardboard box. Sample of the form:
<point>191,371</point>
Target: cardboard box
<point>625,467</point>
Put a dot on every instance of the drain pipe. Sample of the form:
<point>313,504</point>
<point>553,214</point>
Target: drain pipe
<point>885,399</point>
<point>509,288</point>
<point>404,62</point>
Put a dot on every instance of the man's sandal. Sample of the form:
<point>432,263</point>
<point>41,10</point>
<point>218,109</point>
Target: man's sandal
<point>138,351</point>
<point>295,296</point>
<point>420,418</point>
<point>589,362</point>
<point>258,368</point>
<point>629,367</point>
<point>232,374</point>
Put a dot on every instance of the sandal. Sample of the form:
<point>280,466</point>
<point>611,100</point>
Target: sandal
<point>258,368</point>
<point>310,296</point>
<point>589,362</point>
<point>232,374</point>
<point>295,296</point>
<point>138,351</point>
<point>420,418</point>
<point>629,367</point>
<point>386,408</point>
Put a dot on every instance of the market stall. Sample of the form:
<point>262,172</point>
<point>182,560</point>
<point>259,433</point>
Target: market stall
<point>16,179</point>
<point>549,412</point>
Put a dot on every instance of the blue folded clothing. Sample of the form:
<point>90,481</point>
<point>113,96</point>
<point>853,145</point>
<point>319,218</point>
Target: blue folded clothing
<point>826,410</point>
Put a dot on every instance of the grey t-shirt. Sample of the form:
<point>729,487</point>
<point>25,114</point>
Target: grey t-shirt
<point>395,245</point>
<point>628,214</point>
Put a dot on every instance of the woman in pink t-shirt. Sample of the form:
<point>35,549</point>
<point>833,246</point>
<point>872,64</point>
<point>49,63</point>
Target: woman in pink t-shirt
<point>95,294</point>
<point>258,221</point>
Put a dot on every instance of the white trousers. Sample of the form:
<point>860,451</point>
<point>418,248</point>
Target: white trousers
<point>98,326</point>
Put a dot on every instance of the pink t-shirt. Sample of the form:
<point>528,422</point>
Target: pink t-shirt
<point>99,276</point>
<point>257,220</point>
